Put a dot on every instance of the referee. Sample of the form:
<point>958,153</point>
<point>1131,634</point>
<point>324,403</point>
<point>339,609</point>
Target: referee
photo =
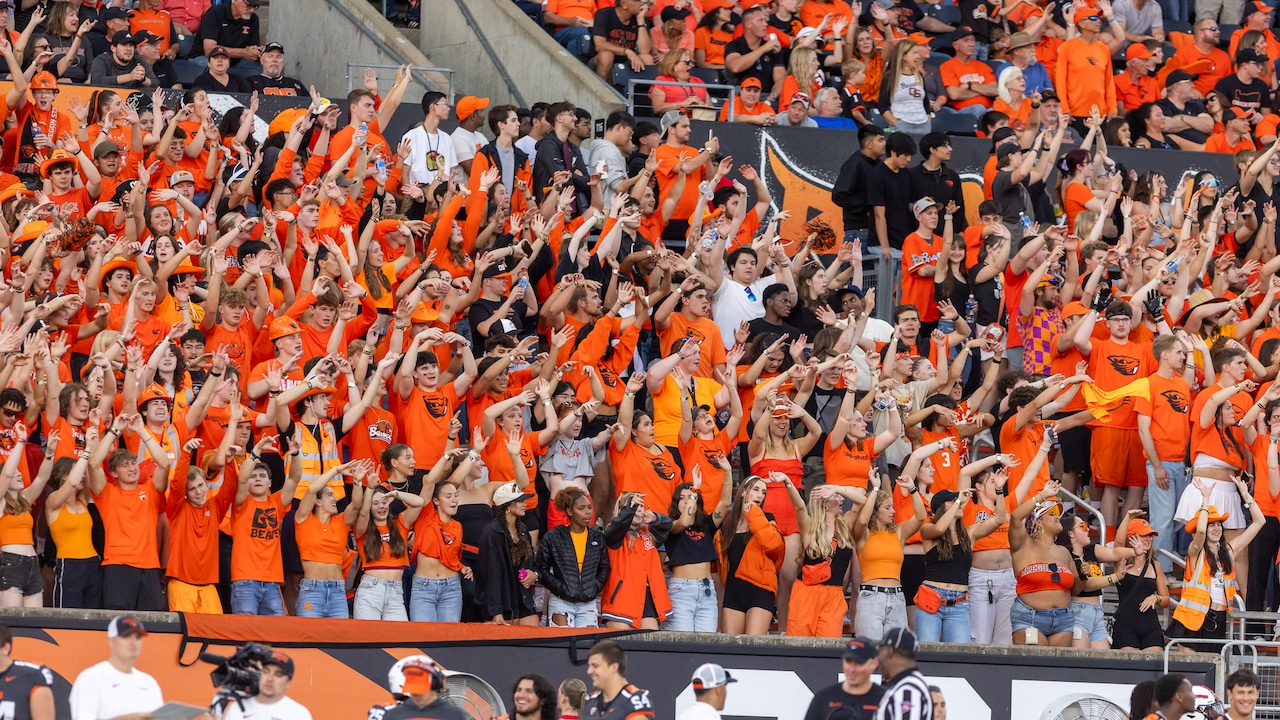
<point>906,694</point>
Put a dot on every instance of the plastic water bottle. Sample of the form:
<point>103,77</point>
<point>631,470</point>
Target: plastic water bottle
<point>1025,222</point>
<point>1172,266</point>
<point>971,311</point>
<point>364,128</point>
<point>380,166</point>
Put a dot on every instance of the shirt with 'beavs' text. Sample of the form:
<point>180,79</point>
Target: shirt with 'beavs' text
<point>102,691</point>
<point>20,681</point>
<point>630,702</point>
<point>282,709</point>
<point>441,709</point>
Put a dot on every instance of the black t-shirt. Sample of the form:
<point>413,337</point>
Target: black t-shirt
<point>1192,108</point>
<point>1008,196</point>
<point>481,310</point>
<point>760,326</point>
<point>830,699</point>
<point>282,85</point>
<point>891,189</point>
<point>762,70</point>
<point>222,26</point>
<point>613,29</point>
<point>695,544</point>
<point>1248,96</point>
<point>441,709</point>
<point>988,295</point>
<point>166,75</point>
<point>977,14</point>
<point>791,27</point>
<point>235,83</point>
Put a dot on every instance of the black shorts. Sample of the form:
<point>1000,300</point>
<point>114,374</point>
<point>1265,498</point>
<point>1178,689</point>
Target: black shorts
<point>1213,628</point>
<point>1125,635</point>
<point>742,596</point>
<point>125,587</point>
<point>21,572</point>
<point>912,576</point>
<point>77,583</point>
<point>531,522</point>
<point>1074,446</point>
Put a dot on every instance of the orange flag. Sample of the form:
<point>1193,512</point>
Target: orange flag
<point>1100,402</point>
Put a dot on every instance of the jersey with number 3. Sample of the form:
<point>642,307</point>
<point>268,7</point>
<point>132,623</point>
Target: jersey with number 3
<point>631,702</point>
<point>17,684</point>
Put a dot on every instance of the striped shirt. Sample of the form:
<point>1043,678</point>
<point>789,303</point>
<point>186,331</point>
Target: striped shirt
<point>906,697</point>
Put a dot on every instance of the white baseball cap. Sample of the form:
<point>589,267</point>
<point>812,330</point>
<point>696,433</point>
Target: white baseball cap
<point>510,492</point>
<point>711,675</point>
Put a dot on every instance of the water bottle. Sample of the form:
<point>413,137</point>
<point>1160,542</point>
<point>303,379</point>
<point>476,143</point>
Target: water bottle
<point>1172,266</point>
<point>1025,222</point>
<point>946,326</point>
<point>380,166</point>
<point>364,128</point>
<point>971,311</point>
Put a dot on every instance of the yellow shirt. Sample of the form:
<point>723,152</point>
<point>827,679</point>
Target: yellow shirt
<point>666,407</point>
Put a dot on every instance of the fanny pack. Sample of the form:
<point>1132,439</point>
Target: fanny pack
<point>817,573</point>
<point>930,600</point>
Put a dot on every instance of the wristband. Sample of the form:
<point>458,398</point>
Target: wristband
<point>215,374</point>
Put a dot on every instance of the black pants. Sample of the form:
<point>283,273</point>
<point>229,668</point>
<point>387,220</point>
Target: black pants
<point>1262,552</point>
<point>77,583</point>
<point>129,588</point>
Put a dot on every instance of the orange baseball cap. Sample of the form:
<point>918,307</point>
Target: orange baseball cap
<point>44,80</point>
<point>468,105</point>
<point>752,82</point>
<point>1139,526</point>
<point>1262,7</point>
<point>284,326</point>
<point>919,38</point>
<point>1137,51</point>
<point>1082,12</point>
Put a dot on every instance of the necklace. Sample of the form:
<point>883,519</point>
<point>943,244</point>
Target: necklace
<point>399,488</point>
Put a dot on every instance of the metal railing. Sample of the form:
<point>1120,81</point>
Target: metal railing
<point>416,73</point>
<point>1081,502</point>
<point>635,82</point>
<point>1236,648</point>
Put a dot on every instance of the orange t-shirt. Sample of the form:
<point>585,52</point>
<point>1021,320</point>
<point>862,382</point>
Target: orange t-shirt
<point>917,254</point>
<point>1217,143</point>
<point>1208,440</point>
<point>706,454</point>
<point>322,542</point>
<point>848,466</point>
<point>668,155</point>
<point>237,344</point>
<point>374,432</point>
<point>585,9</point>
<point>975,513</point>
<point>1024,444</point>
<point>386,561</point>
<point>425,416</point>
<point>1075,200</point>
<point>1018,119</point>
<point>702,329</point>
<point>255,529</point>
<point>501,468</point>
<point>1113,365</point>
<point>711,42</point>
<point>1267,503</point>
<point>1219,66</point>
<point>1083,78</point>
<point>193,534</point>
<point>637,470</point>
<point>1170,424</point>
<point>956,74</point>
<point>156,22</point>
<point>130,517</point>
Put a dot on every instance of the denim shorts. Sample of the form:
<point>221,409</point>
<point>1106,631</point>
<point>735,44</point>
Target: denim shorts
<point>1048,622</point>
<point>1089,620</point>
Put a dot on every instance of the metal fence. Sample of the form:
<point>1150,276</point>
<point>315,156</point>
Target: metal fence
<point>633,83</point>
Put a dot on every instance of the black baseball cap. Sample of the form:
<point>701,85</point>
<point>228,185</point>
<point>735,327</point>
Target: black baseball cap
<point>963,31</point>
<point>940,499</point>
<point>861,650</point>
<point>145,37</point>
<point>900,639</point>
<point>1247,55</point>
<point>124,37</point>
<point>280,660</point>
<point>272,46</point>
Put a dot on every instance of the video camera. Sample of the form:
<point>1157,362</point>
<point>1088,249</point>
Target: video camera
<point>236,677</point>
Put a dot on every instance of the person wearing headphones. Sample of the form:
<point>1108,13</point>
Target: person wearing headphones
<point>418,682</point>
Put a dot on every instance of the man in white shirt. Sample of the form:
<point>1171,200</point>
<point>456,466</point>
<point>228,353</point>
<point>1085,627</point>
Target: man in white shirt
<point>430,150</point>
<point>113,688</point>
<point>740,296</point>
<point>467,139</point>
<point>710,690</point>
<point>271,703</point>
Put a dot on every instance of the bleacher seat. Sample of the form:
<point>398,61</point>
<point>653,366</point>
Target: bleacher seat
<point>623,74</point>
<point>877,119</point>
<point>710,76</point>
<point>955,124</point>
<point>1172,26</point>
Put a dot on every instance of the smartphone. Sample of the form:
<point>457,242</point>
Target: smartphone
<point>881,405</point>
<point>1052,433</point>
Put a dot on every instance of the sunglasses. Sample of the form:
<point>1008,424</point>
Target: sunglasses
<point>1094,18</point>
<point>10,413</point>
<point>750,294</point>
<point>1057,574</point>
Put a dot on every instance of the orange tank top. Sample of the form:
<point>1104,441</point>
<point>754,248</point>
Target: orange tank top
<point>72,534</point>
<point>16,529</point>
<point>881,557</point>
<point>324,543</point>
<point>1039,577</point>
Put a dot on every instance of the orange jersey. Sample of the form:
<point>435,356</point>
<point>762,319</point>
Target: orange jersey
<point>919,253</point>
<point>1113,365</point>
<point>946,463</point>
<point>1168,409</point>
<point>1024,444</point>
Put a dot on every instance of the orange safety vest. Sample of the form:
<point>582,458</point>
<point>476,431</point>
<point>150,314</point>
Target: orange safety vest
<point>170,443</point>
<point>316,458</point>
<point>632,567</point>
<point>1195,601</point>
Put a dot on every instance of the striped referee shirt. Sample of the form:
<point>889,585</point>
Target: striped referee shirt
<point>906,697</point>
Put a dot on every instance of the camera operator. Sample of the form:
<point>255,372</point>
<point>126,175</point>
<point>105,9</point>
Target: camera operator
<point>271,703</point>
<point>114,689</point>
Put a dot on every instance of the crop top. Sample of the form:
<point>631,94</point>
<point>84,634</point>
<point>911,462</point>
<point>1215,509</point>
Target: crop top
<point>16,529</point>
<point>881,557</point>
<point>1040,577</point>
<point>693,545</point>
<point>322,543</point>
<point>955,570</point>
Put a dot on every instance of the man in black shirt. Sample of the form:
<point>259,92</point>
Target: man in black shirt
<point>423,683</point>
<point>272,80</point>
<point>932,178</point>
<point>498,310</point>
<point>777,306</point>
<point>756,54</point>
<point>857,696</point>
<point>614,698</point>
<point>620,33</point>
<point>890,188</point>
<point>854,181</point>
<point>28,688</point>
<point>233,26</point>
<point>1187,120</point>
<point>1244,89</point>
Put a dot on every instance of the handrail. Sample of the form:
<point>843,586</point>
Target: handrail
<point>633,82</point>
<point>1174,557</point>
<point>1102,521</point>
<point>421,80</point>
<point>493,55</point>
<point>379,43</point>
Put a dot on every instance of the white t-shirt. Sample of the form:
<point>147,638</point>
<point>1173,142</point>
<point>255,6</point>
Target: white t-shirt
<point>103,692</point>
<point>437,145</point>
<point>283,709</point>
<point>528,146</point>
<point>465,143</point>
<point>732,304</point>
<point>699,711</point>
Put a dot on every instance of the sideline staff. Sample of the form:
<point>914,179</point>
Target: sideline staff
<point>856,698</point>
<point>710,691</point>
<point>114,687</point>
<point>271,703</point>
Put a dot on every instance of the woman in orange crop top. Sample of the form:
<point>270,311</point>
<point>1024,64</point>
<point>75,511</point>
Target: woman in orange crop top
<point>850,450</point>
<point>436,594</point>
<point>879,541</point>
<point>78,569</point>
<point>385,552</point>
<point>640,464</point>
<point>322,540</point>
<point>20,582</point>
<point>1045,571</point>
<point>772,449</point>
<point>751,550</point>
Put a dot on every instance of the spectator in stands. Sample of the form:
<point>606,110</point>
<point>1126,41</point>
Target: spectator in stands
<point>933,178</point>
<point>851,190</point>
<point>1022,55</point>
<point>65,34</point>
<point>904,100</point>
<point>713,34</point>
<point>1243,89</point>
<point>803,70</point>
<point>150,18</point>
<point>272,80</point>
<point>1258,20</point>
<point>467,138</point>
<point>889,184</point>
<point>148,50</point>
<point>571,22</point>
<point>121,67</point>
<point>797,114</point>
<point>970,83</point>
<point>186,15</point>
<point>1084,68</point>
<point>1135,86</point>
<point>829,110</point>
<point>1234,136</point>
<point>756,54</point>
<point>558,162</point>
<point>1044,571</point>
<point>217,76</point>
<point>610,152</point>
<point>620,34</point>
<point>674,67</point>
<point>431,151</point>
<point>1143,20</point>
<point>233,26</point>
<point>748,107</point>
<point>1204,50</point>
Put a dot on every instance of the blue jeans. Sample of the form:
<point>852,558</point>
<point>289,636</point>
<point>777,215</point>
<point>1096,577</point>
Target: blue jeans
<point>378,599</point>
<point>923,128</point>
<point>951,622</point>
<point>693,605</point>
<point>436,600</point>
<point>576,40</point>
<point>1163,504</point>
<point>322,599</point>
<point>1089,620</point>
<point>255,597</point>
<point>975,110</point>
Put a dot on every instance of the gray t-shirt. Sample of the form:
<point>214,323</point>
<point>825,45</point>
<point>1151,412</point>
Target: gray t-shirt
<point>785,120</point>
<point>507,156</point>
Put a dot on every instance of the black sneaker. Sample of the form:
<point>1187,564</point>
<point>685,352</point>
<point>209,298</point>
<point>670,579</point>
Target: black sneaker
<point>412,24</point>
